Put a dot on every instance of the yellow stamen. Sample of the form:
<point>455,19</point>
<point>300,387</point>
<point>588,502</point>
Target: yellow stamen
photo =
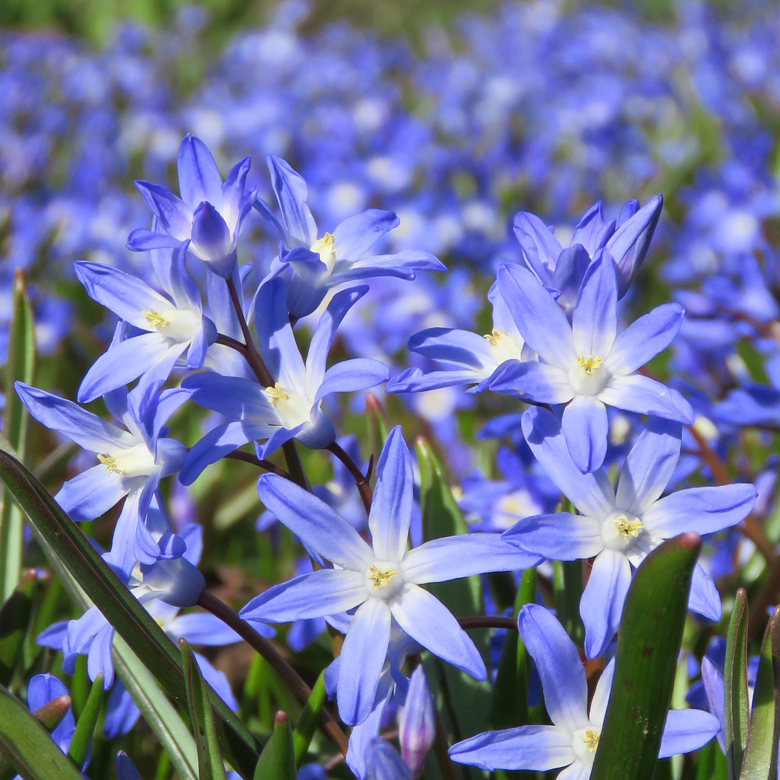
<point>324,246</point>
<point>494,337</point>
<point>628,527</point>
<point>380,578</point>
<point>276,393</point>
<point>591,739</point>
<point>155,319</point>
<point>110,463</point>
<point>588,363</point>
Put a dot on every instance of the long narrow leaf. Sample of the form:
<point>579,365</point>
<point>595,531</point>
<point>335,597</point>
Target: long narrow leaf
<point>15,617</point>
<point>760,761</point>
<point>648,645</point>
<point>79,745</point>
<point>307,721</point>
<point>120,608</point>
<point>20,365</point>
<point>202,717</point>
<point>736,704</point>
<point>26,742</point>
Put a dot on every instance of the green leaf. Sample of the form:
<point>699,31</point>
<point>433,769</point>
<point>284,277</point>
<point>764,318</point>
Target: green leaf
<point>277,761</point>
<point>567,592</point>
<point>307,721</point>
<point>464,703</point>
<point>20,365</point>
<point>202,717</point>
<point>760,761</point>
<point>27,746</point>
<point>85,728</point>
<point>15,618</point>
<point>735,705</point>
<point>377,424</point>
<point>131,621</point>
<point>648,645</point>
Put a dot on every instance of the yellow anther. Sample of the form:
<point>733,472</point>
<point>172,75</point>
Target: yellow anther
<point>276,393</point>
<point>380,578</point>
<point>591,739</point>
<point>110,463</point>
<point>628,527</point>
<point>588,363</point>
<point>155,319</point>
<point>494,337</point>
<point>324,247</point>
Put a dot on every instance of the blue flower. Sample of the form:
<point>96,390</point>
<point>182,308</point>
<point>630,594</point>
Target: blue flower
<point>132,464</point>
<point>620,528</point>
<point>382,581</point>
<point>467,358</point>
<point>586,364</point>
<point>573,739</point>
<point>209,214</point>
<point>319,263</point>
<point>292,407</point>
<point>171,326</point>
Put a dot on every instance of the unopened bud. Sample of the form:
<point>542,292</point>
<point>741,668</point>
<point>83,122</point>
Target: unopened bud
<point>417,723</point>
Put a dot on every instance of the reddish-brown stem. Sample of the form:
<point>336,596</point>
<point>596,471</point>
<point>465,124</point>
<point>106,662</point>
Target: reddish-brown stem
<point>261,463</point>
<point>361,480</point>
<point>488,622</point>
<point>212,604</point>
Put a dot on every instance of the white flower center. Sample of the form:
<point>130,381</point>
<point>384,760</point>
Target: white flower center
<point>503,346</point>
<point>133,462</point>
<point>621,530</point>
<point>588,376</point>
<point>584,743</point>
<point>293,409</point>
<point>325,248</point>
<point>513,507</point>
<point>177,324</point>
<point>384,579</point>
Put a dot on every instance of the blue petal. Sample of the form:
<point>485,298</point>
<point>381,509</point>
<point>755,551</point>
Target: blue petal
<point>363,655</point>
<point>212,240</point>
<point>200,628</point>
<point>173,215</point>
<point>560,669</point>
<point>451,347</point>
<point>586,428</point>
<point>352,375</point>
<point>356,235</point>
<point>601,606</point>
<point>199,177</point>
<point>414,381</point>
<point>141,240</point>
<point>124,768</point>
<point>714,690</point>
<point>90,494</point>
<point>643,395</point>
<point>594,321</point>
<point>121,713</point>
<point>99,658</point>
<point>218,681</point>
<point>532,381</point>
<point>686,731</point>
<point>704,598</point>
<point>391,508</point>
<point>384,763</point>
<point>560,537</point>
<point>539,245</point>
<point>291,194</point>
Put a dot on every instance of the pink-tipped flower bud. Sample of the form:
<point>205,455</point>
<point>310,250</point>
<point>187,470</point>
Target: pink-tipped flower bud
<point>417,723</point>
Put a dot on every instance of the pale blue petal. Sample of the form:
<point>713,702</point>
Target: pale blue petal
<point>560,669</point>
<point>291,194</point>
<point>598,706</point>
<point>641,341</point>
<point>594,321</point>
<point>90,494</point>
<point>218,681</point>
<point>384,763</point>
<point>173,215</point>
<point>532,381</point>
<point>199,177</point>
<point>363,655</point>
<point>452,347</point>
<point>124,767</point>
<point>535,748</point>
<point>87,430</point>
<point>391,508</point>
<point>592,493</point>
<point>233,397</point>
<point>315,523</point>
<point>539,245</point>
<point>121,713</point>
<point>99,659</point>
<point>463,556</point>
<point>649,466</point>
<point>236,202</point>
<point>201,628</point>
<point>352,375</point>
<point>703,510</point>
<point>53,636</point>
<point>586,428</point>
<point>714,690</point>
<point>401,264</point>
<point>356,235</point>
<point>601,606</point>
<point>426,620</point>
<point>686,731</point>
<point>142,240</point>
<point>704,598</point>
<point>281,435</point>
<point>362,734</point>
<point>643,395</point>
<point>539,319</point>
<point>576,771</point>
<point>414,381</point>
<point>560,537</point>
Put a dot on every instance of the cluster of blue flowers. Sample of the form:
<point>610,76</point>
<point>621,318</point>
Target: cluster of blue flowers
<point>214,291</point>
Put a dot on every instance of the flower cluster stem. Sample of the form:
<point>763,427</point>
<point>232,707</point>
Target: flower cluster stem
<point>362,481</point>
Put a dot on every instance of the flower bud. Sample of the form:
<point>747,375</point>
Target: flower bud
<point>384,763</point>
<point>417,723</point>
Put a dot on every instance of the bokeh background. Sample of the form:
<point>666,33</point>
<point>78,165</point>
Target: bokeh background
<point>454,114</point>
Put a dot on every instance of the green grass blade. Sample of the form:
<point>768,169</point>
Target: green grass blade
<point>15,617</point>
<point>277,761</point>
<point>85,728</point>
<point>26,745</point>
<point>307,721</point>
<point>121,609</point>
<point>201,717</point>
<point>20,365</point>
<point>735,705</point>
<point>648,645</point>
<point>760,761</point>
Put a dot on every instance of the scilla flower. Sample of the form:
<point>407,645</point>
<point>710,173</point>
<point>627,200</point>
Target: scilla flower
<point>382,580</point>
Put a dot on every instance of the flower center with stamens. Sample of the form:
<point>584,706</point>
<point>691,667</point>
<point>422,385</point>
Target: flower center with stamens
<point>585,742</point>
<point>177,324</point>
<point>589,362</point>
<point>621,530</point>
<point>325,248</point>
<point>155,319</point>
<point>383,579</point>
<point>591,739</point>
<point>110,464</point>
<point>503,346</point>
<point>135,461</point>
<point>293,409</point>
<point>588,375</point>
<point>276,393</point>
